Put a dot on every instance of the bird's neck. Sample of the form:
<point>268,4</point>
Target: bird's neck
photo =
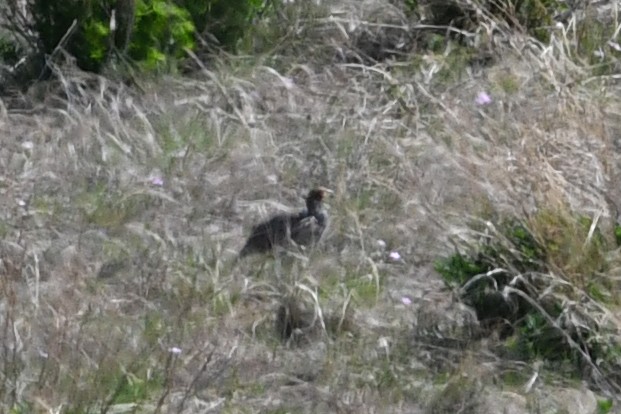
<point>315,209</point>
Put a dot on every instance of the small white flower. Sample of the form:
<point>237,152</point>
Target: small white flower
<point>174,350</point>
<point>483,99</point>
<point>27,145</point>
<point>157,181</point>
<point>381,243</point>
<point>394,256</point>
<point>406,301</point>
<point>21,202</point>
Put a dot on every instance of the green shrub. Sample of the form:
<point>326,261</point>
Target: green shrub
<point>95,37</point>
<point>536,16</point>
<point>225,20</point>
<point>617,231</point>
<point>53,19</point>
<point>10,51</point>
<point>153,32</point>
<point>522,275</point>
<point>535,338</point>
<point>162,31</point>
<point>604,406</point>
<point>411,7</point>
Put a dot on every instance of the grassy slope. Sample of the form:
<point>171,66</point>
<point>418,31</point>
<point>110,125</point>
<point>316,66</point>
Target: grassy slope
<point>410,156</point>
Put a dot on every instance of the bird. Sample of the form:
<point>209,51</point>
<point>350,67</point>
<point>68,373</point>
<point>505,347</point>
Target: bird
<point>304,228</point>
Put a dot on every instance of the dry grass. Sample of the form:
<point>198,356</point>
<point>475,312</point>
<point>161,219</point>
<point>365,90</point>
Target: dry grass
<point>412,159</point>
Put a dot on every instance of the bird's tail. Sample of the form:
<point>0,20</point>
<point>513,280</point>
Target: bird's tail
<point>245,251</point>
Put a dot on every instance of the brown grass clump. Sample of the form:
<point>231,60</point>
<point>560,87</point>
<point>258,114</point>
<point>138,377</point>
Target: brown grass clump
<point>122,212</point>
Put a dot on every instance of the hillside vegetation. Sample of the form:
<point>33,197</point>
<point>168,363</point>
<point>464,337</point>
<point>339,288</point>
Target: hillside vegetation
<point>471,264</point>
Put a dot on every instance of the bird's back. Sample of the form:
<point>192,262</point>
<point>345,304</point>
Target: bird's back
<point>304,228</point>
<point>264,236</point>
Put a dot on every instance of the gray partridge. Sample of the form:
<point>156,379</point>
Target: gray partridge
<point>304,228</point>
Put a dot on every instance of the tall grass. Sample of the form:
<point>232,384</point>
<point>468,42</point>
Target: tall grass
<point>158,188</point>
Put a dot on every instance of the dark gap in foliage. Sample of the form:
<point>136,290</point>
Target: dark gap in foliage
<point>525,281</point>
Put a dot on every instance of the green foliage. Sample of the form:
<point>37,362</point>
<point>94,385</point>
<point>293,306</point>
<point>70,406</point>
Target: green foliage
<point>95,35</point>
<point>484,287</point>
<point>508,83</point>
<point>158,31</point>
<point>226,20</point>
<point>537,339</point>
<point>52,21</point>
<point>411,6</point>
<point>364,290</point>
<point>510,257</point>
<point>521,237</point>
<point>133,389</point>
<point>21,408</point>
<point>520,251</point>
<point>536,16</point>
<point>162,31</point>
<point>10,51</point>
<point>453,65</point>
<point>458,269</point>
<point>604,406</point>
<point>599,291</point>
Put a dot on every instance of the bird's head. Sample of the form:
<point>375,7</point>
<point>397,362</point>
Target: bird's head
<point>315,197</point>
<point>318,194</point>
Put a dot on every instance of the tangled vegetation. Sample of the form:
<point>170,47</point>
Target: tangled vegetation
<point>472,259</point>
<point>524,279</point>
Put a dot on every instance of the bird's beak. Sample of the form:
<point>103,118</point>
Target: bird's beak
<point>327,193</point>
